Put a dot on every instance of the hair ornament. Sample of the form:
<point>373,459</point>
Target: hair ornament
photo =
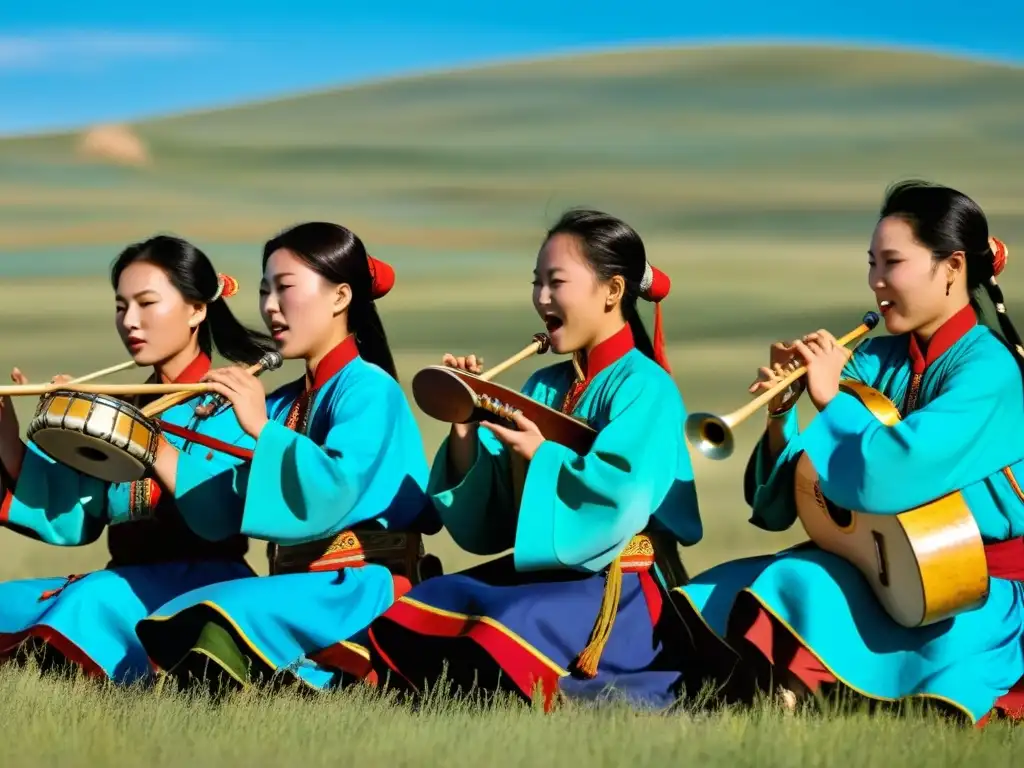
<point>383,276</point>
<point>227,287</point>
<point>999,255</point>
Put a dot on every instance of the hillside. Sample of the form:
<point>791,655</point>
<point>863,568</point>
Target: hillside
<point>771,142</point>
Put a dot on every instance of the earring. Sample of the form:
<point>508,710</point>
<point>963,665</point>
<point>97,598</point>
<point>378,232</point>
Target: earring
<point>948,286</point>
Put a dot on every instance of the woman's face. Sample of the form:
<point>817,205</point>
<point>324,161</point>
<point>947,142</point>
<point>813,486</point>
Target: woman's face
<point>299,307</point>
<point>155,322</point>
<point>908,283</point>
<point>568,296</point>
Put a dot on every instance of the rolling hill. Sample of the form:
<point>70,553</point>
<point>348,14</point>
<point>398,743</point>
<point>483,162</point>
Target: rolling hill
<point>773,143</point>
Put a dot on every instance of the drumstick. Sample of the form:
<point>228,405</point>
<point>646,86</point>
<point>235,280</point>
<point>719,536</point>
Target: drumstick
<point>540,344</point>
<point>98,374</point>
<point>19,390</point>
<point>93,375</point>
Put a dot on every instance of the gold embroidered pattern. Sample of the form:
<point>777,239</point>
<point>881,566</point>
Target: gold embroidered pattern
<point>915,388</point>
<point>140,499</point>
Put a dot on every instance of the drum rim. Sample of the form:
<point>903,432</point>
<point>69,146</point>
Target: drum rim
<point>103,399</point>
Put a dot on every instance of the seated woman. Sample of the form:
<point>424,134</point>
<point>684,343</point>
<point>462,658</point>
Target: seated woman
<point>807,620</point>
<point>170,313</point>
<point>336,483</point>
<point>576,607</point>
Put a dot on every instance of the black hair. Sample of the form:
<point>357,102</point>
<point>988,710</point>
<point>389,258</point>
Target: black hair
<point>611,247</point>
<point>192,274</point>
<point>946,220</point>
<point>339,256</point>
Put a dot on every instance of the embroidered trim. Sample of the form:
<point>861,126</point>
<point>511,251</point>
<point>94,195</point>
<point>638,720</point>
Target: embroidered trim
<point>141,501</point>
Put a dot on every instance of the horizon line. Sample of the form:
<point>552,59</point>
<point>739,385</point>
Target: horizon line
<point>554,55</point>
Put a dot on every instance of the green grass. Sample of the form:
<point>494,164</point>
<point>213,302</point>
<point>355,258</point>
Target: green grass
<point>753,175</point>
<point>113,728</point>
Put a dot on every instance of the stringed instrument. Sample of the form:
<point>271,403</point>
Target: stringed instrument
<point>458,397</point>
<point>925,564</point>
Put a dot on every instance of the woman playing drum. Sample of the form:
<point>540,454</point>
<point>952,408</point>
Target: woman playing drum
<point>577,606</point>
<point>806,620</point>
<point>336,484</point>
<point>163,540</point>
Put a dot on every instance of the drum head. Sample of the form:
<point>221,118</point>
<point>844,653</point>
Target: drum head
<point>89,455</point>
<point>442,395</point>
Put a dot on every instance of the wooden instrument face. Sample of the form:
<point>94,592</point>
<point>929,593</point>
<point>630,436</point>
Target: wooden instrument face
<point>97,435</point>
<point>457,397</point>
<point>924,565</point>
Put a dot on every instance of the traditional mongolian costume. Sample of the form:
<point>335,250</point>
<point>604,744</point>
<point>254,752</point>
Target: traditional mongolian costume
<point>812,613</point>
<point>336,485</point>
<point>160,545</point>
<point>577,607</point>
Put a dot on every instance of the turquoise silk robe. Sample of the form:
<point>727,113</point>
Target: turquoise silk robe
<point>966,432</point>
<point>159,547</point>
<point>520,621</point>
<point>354,460</point>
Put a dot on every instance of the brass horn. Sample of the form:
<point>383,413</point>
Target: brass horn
<point>712,435</point>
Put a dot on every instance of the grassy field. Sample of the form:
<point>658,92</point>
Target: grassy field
<point>753,175</point>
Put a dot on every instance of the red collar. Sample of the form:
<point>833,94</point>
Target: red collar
<point>948,334</point>
<point>609,351</point>
<point>334,361</point>
<point>193,372</point>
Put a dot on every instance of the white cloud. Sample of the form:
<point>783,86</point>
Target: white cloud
<point>79,49</point>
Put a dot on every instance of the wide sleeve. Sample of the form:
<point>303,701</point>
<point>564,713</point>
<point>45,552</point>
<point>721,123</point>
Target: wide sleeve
<point>970,430</point>
<point>477,511</point>
<point>768,484</point>
<point>56,504</point>
<point>580,511</point>
<point>296,490</point>
<point>205,493</point>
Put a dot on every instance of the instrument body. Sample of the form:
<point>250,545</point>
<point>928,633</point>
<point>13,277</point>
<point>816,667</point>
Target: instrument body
<point>108,438</point>
<point>97,435</point>
<point>924,565</point>
<point>457,397</point>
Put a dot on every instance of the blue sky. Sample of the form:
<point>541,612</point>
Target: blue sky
<point>66,64</point>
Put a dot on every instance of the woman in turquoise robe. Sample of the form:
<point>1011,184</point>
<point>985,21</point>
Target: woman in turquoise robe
<point>577,608</point>
<point>171,313</point>
<point>336,485</point>
<point>806,620</point>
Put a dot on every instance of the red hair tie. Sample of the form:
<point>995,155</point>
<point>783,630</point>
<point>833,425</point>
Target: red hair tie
<point>655,286</point>
<point>227,287</point>
<point>383,275</point>
<point>999,255</point>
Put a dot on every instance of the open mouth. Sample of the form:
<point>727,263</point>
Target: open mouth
<point>885,305</point>
<point>277,331</point>
<point>552,323</point>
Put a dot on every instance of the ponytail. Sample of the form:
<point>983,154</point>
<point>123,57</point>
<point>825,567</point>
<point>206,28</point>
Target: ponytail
<point>232,340</point>
<point>641,339</point>
<point>998,253</point>
<point>371,340</point>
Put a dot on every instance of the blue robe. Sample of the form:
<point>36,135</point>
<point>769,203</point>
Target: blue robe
<point>90,619</point>
<point>519,622</point>
<point>966,432</point>
<point>359,463</point>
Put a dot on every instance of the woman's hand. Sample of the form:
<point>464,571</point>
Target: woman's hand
<point>782,361</point>
<point>470,364</point>
<point>12,449</point>
<point>246,395</point>
<point>825,360</point>
<point>524,441</point>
